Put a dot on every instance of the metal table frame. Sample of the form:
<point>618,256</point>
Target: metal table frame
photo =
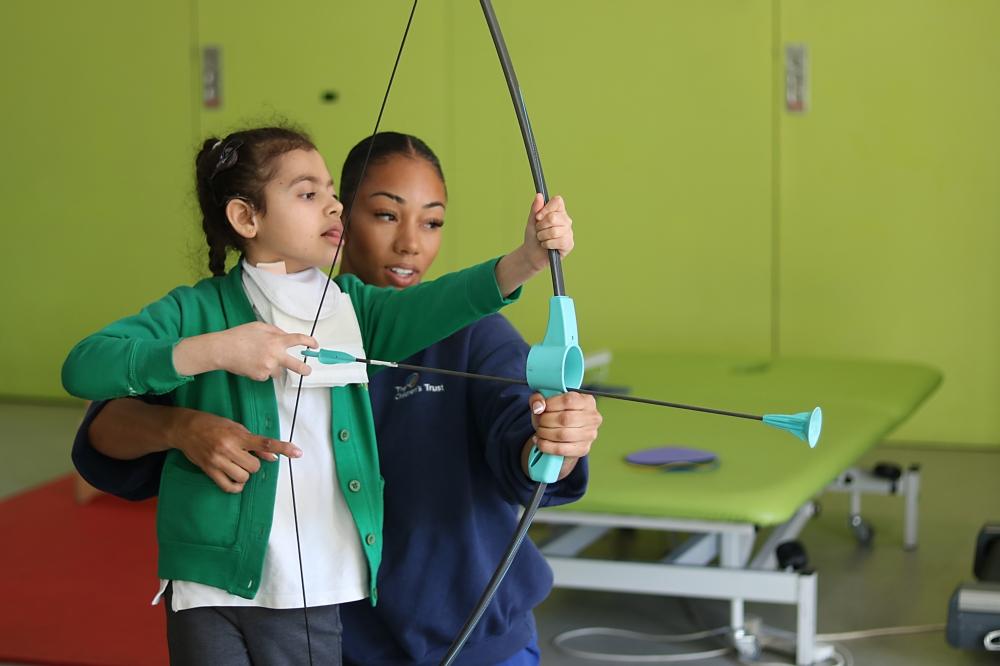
<point>739,576</point>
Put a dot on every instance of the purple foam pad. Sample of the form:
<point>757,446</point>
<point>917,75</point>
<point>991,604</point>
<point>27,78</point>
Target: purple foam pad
<point>670,455</point>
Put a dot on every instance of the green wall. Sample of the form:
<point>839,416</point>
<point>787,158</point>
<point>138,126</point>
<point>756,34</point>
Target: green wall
<point>643,144</point>
<point>97,141</point>
<point>708,219</point>
<point>890,198</point>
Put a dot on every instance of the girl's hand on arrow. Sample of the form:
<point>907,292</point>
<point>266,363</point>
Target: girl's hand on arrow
<point>565,425</point>
<point>255,350</point>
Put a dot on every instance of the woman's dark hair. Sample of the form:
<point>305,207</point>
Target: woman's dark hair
<point>238,167</point>
<point>383,146</point>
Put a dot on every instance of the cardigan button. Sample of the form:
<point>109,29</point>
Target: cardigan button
<point>344,435</point>
<point>354,485</point>
<point>370,539</point>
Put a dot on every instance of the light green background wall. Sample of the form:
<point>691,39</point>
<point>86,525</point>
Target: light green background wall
<point>97,137</point>
<point>890,206</point>
<point>643,144</point>
<point>708,219</point>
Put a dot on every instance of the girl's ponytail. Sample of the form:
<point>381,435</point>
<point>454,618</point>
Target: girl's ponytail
<point>213,220</point>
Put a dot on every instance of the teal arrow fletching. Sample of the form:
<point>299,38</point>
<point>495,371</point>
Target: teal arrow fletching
<point>329,356</point>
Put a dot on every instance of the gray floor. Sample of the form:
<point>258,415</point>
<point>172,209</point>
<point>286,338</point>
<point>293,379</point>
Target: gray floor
<point>859,587</point>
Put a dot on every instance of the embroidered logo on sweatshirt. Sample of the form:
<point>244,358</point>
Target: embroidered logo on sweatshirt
<point>413,386</point>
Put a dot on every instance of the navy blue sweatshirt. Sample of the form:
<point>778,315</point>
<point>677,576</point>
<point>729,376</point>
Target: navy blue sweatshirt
<point>450,452</point>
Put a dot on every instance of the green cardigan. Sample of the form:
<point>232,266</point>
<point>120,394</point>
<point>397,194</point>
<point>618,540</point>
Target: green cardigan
<point>205,534</point>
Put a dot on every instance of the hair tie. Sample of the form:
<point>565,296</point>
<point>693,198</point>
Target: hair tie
<point>228,156</point>
<point>227,159</point>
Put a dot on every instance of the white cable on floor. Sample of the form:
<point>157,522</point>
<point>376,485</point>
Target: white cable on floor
<point>842,656</point>
<point>560,639</point>
<point>653,638</point>
<point>883,631</point>
<point>861,633</point>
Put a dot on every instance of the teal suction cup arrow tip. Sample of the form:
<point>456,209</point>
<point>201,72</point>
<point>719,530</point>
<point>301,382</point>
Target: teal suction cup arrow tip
<point>329,356</point>
<point>805,425</point>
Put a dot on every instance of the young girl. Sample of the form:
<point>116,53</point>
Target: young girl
<point>222,345</point>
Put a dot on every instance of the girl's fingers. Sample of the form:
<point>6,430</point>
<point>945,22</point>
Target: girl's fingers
<point>555,219</point>
<point>538,205</point>
<point>563,245</point>
<point>553,233</point>
<point>554,205</point>
<point>299,339</point>
<point>295,365</point>
<point>558,236</point>
<point>555,237</point>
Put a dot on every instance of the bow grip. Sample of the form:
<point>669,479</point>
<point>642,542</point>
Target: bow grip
<point>554,365</point>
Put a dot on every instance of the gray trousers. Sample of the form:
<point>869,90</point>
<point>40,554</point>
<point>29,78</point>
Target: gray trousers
<point>241,636</point>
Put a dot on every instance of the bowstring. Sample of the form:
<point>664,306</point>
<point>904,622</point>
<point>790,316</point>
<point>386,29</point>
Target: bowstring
<point>319,309</point>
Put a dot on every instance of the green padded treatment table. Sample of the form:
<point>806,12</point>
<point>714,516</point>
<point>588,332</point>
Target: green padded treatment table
<point>764,474</point>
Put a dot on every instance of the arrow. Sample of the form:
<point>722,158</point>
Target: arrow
<point>807,426</point>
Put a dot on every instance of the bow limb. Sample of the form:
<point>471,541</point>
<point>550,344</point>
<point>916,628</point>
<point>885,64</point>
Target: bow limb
<point>555,364</point>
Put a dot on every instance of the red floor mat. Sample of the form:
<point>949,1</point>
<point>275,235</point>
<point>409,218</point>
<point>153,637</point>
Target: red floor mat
<point>76,581</point>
